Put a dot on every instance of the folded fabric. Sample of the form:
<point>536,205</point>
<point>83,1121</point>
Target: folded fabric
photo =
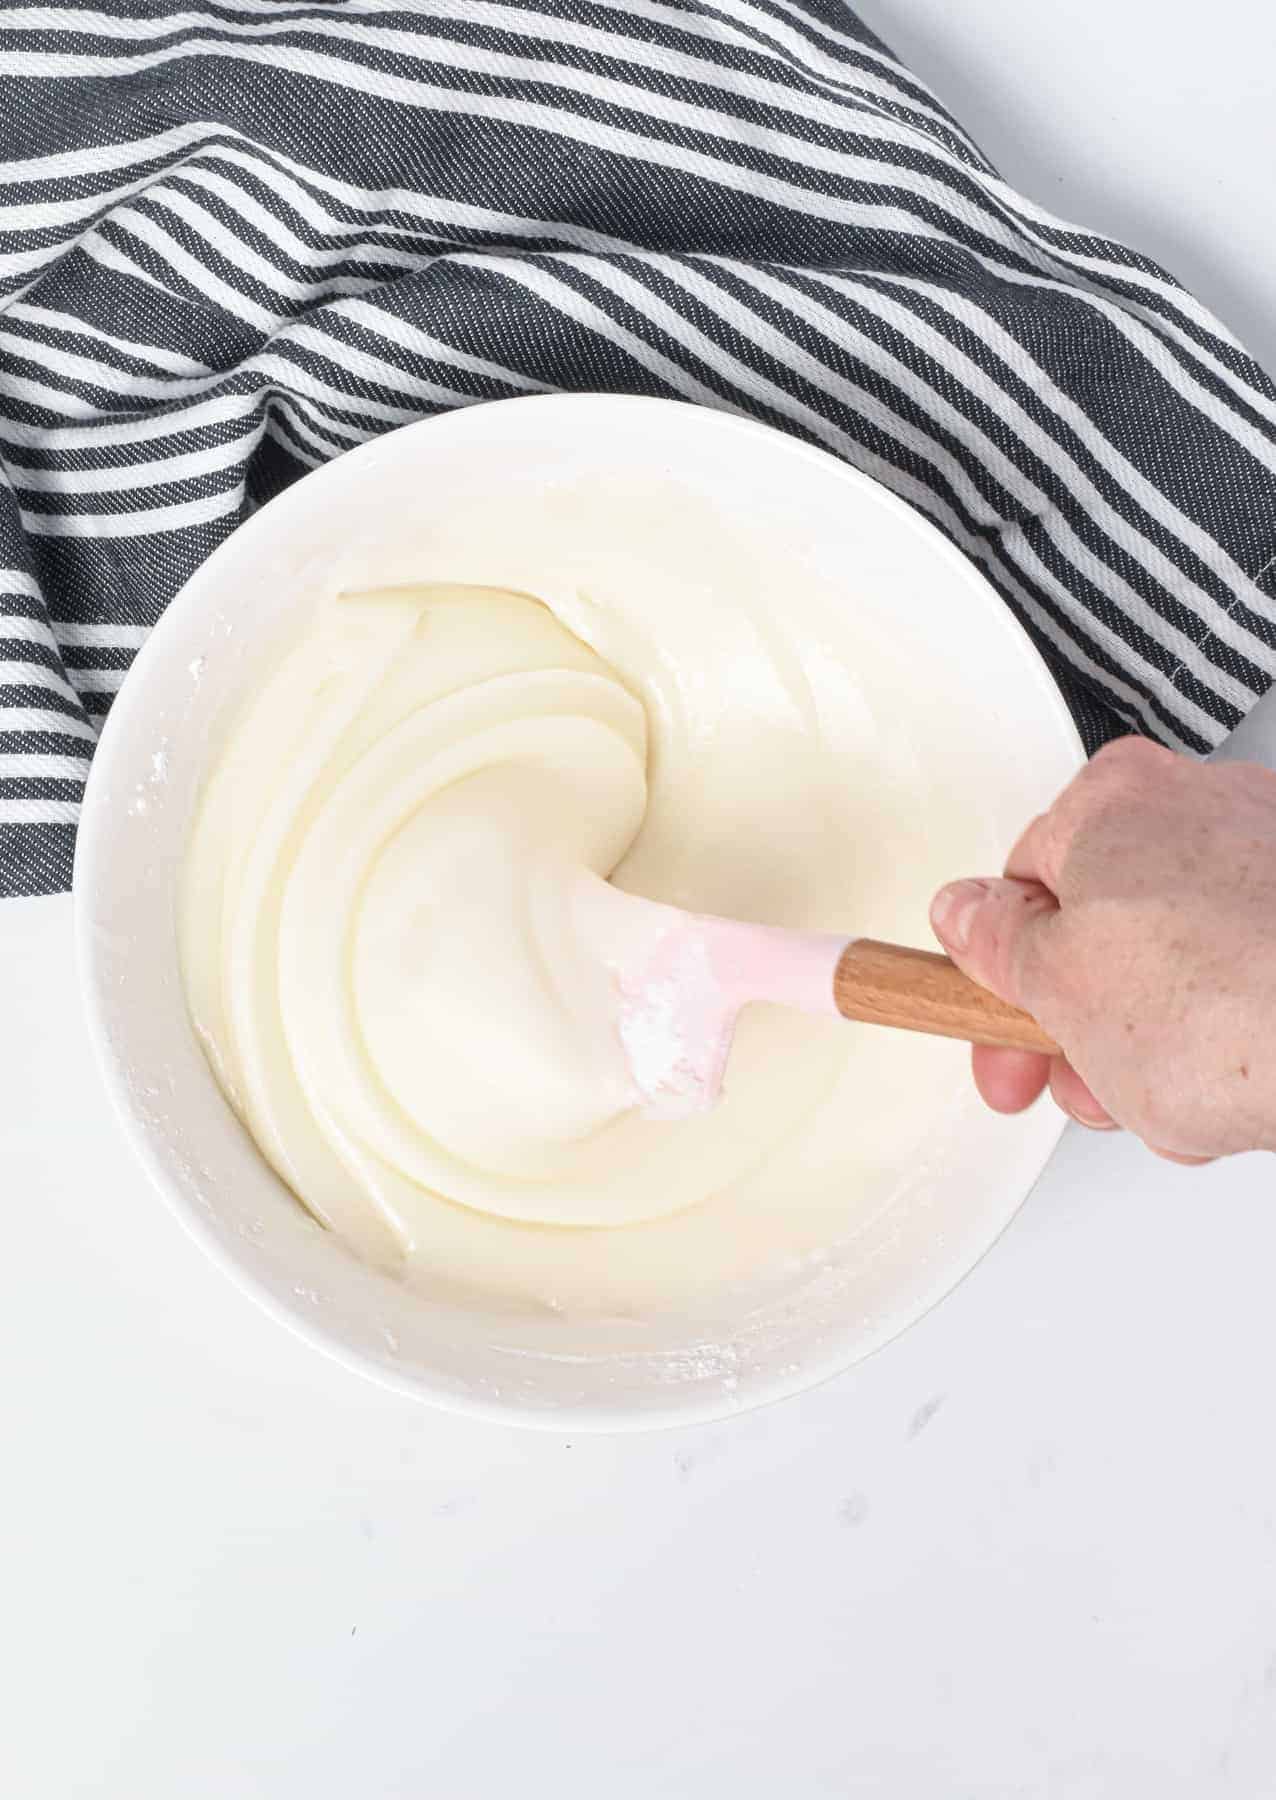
<point>238,238</point>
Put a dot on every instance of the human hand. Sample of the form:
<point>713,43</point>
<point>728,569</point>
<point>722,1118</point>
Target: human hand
<point>1137,922</point>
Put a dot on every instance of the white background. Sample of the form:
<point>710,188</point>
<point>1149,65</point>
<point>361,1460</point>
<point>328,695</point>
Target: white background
<point>1029,1550</point>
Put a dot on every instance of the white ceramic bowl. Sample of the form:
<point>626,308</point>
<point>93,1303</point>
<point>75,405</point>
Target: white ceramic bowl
<point>364,520</point>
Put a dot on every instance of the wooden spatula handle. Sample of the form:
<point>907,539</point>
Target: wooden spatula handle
<point>889,984</point>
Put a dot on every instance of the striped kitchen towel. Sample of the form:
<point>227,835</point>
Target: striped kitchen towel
<point>239,237</point>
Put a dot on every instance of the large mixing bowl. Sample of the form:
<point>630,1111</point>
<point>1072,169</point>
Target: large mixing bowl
<point>367,520</point>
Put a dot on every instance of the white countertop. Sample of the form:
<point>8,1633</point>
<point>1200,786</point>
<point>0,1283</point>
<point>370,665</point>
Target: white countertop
<point>1028,1550</point>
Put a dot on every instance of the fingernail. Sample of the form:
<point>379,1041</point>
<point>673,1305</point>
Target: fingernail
<point>1097,1120</point>
<point>952,911</point>
<point>1092,1121</point>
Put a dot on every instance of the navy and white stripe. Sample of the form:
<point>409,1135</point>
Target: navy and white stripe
<point>237,238</point>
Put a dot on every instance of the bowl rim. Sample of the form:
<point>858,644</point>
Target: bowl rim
<point>686,1406</point>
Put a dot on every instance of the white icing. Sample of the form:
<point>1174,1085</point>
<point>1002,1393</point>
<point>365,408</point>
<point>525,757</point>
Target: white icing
<point>383,950</point>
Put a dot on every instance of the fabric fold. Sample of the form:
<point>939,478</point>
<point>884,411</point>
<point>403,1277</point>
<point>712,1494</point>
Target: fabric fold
<point>237,239</point>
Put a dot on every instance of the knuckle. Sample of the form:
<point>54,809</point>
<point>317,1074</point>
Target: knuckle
<point>1127,754</point>
<point>1126,765</point>
<point>1039,853</point>
<point>1121,779</point>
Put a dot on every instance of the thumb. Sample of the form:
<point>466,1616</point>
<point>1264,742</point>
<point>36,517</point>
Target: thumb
<point>996,932</point>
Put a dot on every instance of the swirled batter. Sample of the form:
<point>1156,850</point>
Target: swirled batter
<point>379,951</point>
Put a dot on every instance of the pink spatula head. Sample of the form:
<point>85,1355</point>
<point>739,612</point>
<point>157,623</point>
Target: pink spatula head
<point>680,980</point>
